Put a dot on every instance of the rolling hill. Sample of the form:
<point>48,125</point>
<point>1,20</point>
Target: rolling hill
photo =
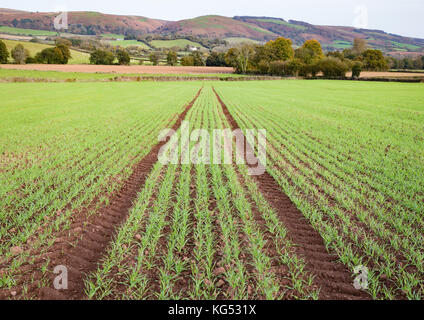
<point>213,26</point>
<point>216,27</point>
<point>334,37</point>
<point>80,22</point>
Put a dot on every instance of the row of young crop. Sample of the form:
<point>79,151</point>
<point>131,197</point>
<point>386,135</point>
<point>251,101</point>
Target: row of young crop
<point>330,181</point>
<point>40,196</point>
<point>216,238</point>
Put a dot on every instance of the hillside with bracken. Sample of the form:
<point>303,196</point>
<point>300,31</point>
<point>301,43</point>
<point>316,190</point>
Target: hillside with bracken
<point>81,22</point>
<point>214,27</point>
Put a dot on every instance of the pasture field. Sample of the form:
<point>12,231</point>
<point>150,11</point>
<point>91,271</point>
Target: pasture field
<point>180,43</point>
<point>236,41</point>
<point>26,32</point>
<point>128,43</point>
<point>77,57</point>
<point>83,187</point>
<point>112,36</point>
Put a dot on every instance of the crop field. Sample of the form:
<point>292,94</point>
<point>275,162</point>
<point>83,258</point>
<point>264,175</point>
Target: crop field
<point>83,186</point>
<point>16,75</point>
<point>144,69</point>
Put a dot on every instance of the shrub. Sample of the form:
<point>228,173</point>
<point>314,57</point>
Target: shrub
<point>20,54</point>
<point>277,68</point>
<point>187,61</point>
<point>374,60</point>
<point>30,60</point>
<point>63,42</point>
<point>102,57</point>
<point>172,58</point>
<point>154,58</point>
<point>263,67</point>
<point>216,59</point>
<point>57,55</point>
<point>356,70</point>
<point>123,57</point>
<point>4,54</point>
<point>66,53</point>
<point>310,70</point>
<point>293,67</point>
<point>49,56</point>
<point>333,68</point>
<point>197,59</point>
<point>285,68</point>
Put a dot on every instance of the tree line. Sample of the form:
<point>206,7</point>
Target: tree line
<point>60,54</point>
<point>278,57</point>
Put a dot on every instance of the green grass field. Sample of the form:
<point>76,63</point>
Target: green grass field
<point>404,45</point>
<point>235,41</point>
<point>26,32</point>
<point>180,43</point>
<point>277,21</point>
<point>343,187</point>
<point>129,43</point>
<point>33,48</point>
<point>340,44</point>
<point>113,35</point>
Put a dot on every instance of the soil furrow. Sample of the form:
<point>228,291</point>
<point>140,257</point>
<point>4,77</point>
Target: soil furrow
<point>97,231</point>
<point>301,232</point>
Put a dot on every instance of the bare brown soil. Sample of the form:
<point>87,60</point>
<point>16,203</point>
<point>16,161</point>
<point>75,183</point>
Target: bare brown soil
<point>371,74</point>
<point>119,69</point>
<point>94,233</point>
<point>331,276</point>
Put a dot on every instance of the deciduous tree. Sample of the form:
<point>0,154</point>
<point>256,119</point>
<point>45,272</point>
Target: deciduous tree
<point>154,58</point>
<point>315,47</point>
<point>333,68</point>
<point>197,59</point>
<point>102,57</point>
<point>374,60</point>
<point>216,59</point>
<point>20,54</point>
<point>172,58</point>
<point>359,46</point>
<point>356,70</point>
<point>4,54</point>
<point>187,61</point>
<point>279,49</point>
<point>123,57</point>
<point>240,57</point>
<point>66,53</point>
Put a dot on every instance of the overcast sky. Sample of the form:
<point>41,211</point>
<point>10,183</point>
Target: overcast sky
<point>404,17</point>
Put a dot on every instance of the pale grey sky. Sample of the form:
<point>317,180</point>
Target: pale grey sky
<point>400,17</point>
